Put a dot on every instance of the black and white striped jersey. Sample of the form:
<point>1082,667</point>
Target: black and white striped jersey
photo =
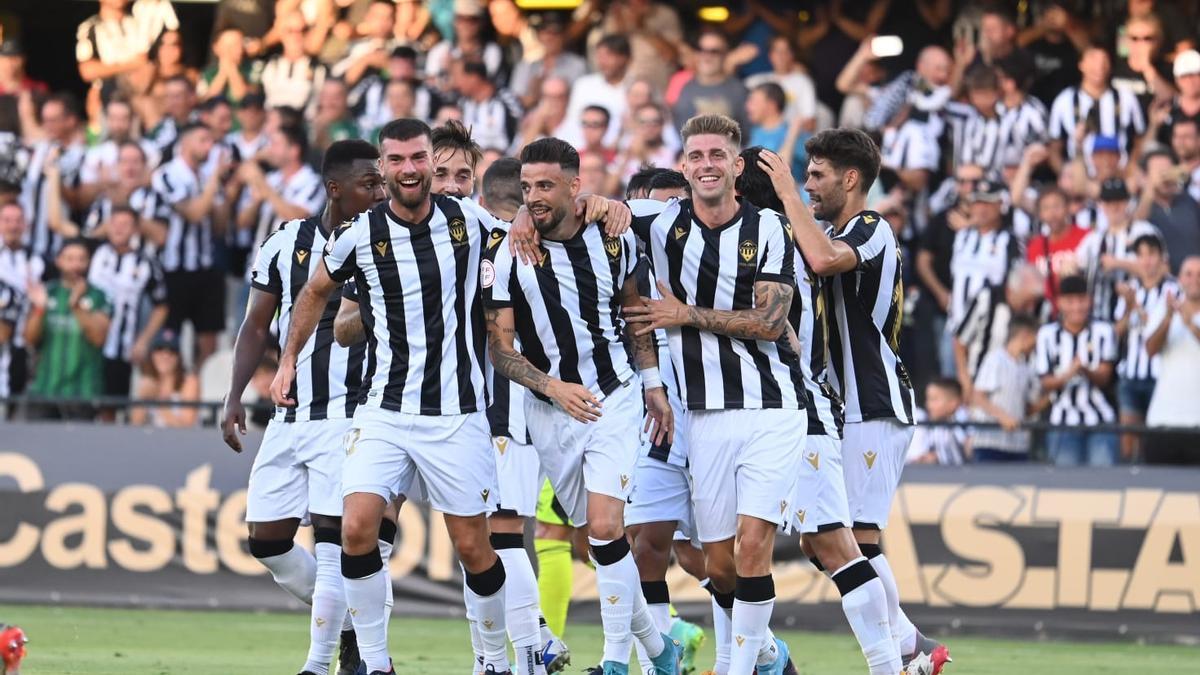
<point>979,259</point>
<point>142,200</point>
<point>1135,363</point>
<point>717,268</point>
<point>567,306</point>
<point>506,412</point>
<point>328,376</point>
<point>303,188</point>
<point>1079,402</point>
<point>104,155</point>
<point>671,453</point>
<point>984,325</point>
<point>35,194</point>
<point>1117,114</point>
<point>975,139</point>
<point>1117,243</point>
<point>421,283</point>
<point>12,306</point>
<point>111,41</point>
<point>1020,126</point>
<point>189,245</point>
<point>292,83</point>
<point>866,314</point>
<point>127,279</point>
<point>808,318</point>
<point>18,266</point>
<point>245,149</point>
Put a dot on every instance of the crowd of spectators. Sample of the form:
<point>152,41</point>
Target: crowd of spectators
<point>1041,171</point>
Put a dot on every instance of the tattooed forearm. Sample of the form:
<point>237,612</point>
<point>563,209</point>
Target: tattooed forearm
<point>645,354</point>
<point>766,321</point>
<point>507,360</point>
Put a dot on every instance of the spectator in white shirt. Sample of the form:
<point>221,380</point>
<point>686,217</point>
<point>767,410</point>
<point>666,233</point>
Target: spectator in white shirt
<point>787,72</point>
<point>1006,392</point>
<point>1175,339</point>
<point>605,88</point>
<point>492,114</point>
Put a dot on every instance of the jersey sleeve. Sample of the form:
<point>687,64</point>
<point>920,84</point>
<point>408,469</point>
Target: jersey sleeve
<point>778,263</point>
<point>1042,353</point>
<point>867,237</point>
<point>341,251</point>
<point>350,291</point>
<point>265,274</point>
<point>168,192</point>
<point>85,42</point>
<point>497,271</point>
<point>487,222</point>
<point>629,241</point>
<point>10,305</point>
<point>645,211</point>
<point>1106,342</point>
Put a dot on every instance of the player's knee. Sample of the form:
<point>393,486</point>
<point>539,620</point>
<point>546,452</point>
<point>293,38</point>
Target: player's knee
<point>475,552</point>
<point>274,530</point>
<point>606,526</point>
<point>360,534</point>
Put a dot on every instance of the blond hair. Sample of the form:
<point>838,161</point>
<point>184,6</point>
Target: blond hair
<point>717,125</point>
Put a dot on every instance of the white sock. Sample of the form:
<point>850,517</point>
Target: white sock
<point>904,633</point>
<point>642,623</point>
<point>295,571</point>
<point>616,604</point>
<point>723,636</point>
<point>865,606</point>
<point>521,603</point>
<point>547,634</point>
<point>364,599</point>
<point>490,620</point>
<point>328,605</point>
<point>660,614</point>
<point>768,653</point>
<point>348,621</point>
<point>751,622</point>
<point>385,553</point>
<point>472,622</point>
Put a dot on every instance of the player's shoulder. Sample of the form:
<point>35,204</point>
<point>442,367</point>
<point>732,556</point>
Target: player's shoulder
<point>866,223</point>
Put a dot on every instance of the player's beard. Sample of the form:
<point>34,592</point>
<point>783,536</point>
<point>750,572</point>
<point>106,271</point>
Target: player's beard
<point>409,198</point>
<point>828,206</point>
<point>551,220</point>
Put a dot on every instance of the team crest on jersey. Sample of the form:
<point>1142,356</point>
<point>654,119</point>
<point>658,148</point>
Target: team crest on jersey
<point>868,219</point>
<point>458,230</point>
<point>487,276</point>
<point>612,246</point>
<point>748,250</point>
<point>381,247</point>
<point>870,457</point>
<point>301,255</point>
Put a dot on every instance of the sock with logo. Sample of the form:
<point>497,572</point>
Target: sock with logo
<point>488,598</point>
<point>722,610</point>
<point>865,605</point>
<point>754,600</point>
<point>903,631</point>
<point>521,601</point>
<point>328,602</point>
<point>362,576</point>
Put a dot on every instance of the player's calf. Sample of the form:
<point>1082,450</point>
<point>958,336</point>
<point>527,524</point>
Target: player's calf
<point>292,567</point>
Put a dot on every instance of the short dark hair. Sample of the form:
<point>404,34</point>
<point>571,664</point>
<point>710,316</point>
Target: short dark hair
<point>189,127</point>
<point>1148,240</point>
<point>289,116</point>
<point>296,137</point>
<point>1183,120</point>
<point>66,99</point>
<point>342,154</point>
<point>616,43</point>
<point>551,151</point>
<point>1158,151</point>
<point>981,76</point>
<point>640,181</point>
<point>670,179</point>
<point>130,143</point>
<point>404,129</point>
<point>476,68</point>
<point>214,103</point>
<point>600,109</point>
<point>1000,10</point>
<point>502,183</point>
<point>847,149</point>
<point>1076,284</point>
<point>455,136</point>
<point>1019,67</point>
<point>75,241</point>
<point>1050,190</point>
<point>754,185</point>
<point>1022,323</point>
<point>774,94</point>
<point>123,209</point>
<point>180,79</point>
<point>404,52</point>
<point>948,385</point>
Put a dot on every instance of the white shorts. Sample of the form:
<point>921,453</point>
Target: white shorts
<point>297,471</point>
<point>872,458</point>
<point>912,146</point>
<point>451,455</point>
<point>519,475</point>
<point>662,492</point>
<point>743,462</point>
<point>819,498</point>
<point>580,458</point>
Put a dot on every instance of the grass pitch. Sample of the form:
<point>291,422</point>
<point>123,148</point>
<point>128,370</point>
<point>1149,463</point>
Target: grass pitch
<point>74,641</point>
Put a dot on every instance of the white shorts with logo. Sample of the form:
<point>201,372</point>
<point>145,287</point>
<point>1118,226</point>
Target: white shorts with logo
<point>872,459</point>
<point>297,471</point>
<point>519,475</point>
<point>451,456</point>
<point>597,457</point>
<point>743,462</point>
<point>662,492</point>
<point>819,498</point>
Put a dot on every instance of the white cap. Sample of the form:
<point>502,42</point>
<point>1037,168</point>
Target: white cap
<point>1187,63</point>
<point>468,8</point>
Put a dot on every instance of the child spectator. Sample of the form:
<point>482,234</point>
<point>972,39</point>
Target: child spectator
<point>167,380</point>
<point>1006,392</point>
<point>940,444</point>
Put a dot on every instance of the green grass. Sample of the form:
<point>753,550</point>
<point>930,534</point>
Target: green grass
<point>74,641</point>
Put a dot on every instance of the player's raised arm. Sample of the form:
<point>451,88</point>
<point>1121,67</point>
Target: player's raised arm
<point>826,256</point>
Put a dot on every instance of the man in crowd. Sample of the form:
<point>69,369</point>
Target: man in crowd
<point>1167,206</point>
<point>604,88</point>
<point>493,114</point>
<point>712,90</point>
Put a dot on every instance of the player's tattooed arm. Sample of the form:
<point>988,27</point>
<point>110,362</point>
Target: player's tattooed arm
<point>645,355</point>
<point>765,321</point>
<point>507,360</point>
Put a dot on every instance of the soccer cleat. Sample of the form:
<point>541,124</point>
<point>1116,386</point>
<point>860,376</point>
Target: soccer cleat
<point>939,654</point>
<point>921,664</point>
<point>690,638</point>
<point>555,655</point>
<point>789,668</point>
<point>349,662</point>
<point>614,668</point>
<point>779,665</point>
<point>667,663</point>
<point>492,671</point>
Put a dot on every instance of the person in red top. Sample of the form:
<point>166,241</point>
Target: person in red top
<point>1060,237</point>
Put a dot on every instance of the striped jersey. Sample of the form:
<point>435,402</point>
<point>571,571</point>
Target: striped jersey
<point>292,83</point>
<point>35,194</point>
<point>328,376</point>
<point>1020,126</point>
<point>127,279</point>
<point>425,322</point>
<point>669,452</point>
<point>303,188</point>
<point>111,41</point>
<point>867,311</point>
<point>189,245</point>
<point>1079,402</point>
<point>12,303</point>
<point>103,156</point>
<point>1118,243</point>
<point>975,139</point>
<point>947,443</point>
<point>984,325</point>
<point>979,259</point>
<point>717,268</point>
<point>1135,363</point>
<point>1117,113</point>
<point>808,318</point>
<point>567,306</point>
<point>141,200</point>
<point>17,267</point>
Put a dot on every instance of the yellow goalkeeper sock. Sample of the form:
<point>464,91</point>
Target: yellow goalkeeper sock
<point>554,581</point>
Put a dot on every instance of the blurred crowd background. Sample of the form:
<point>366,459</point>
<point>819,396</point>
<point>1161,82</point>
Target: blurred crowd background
<point>1041,170</point>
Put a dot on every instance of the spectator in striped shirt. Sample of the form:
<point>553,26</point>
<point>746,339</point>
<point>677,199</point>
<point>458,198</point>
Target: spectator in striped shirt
<point>1007,392</point>
<point>944,445</point>
<point>1137,300</point>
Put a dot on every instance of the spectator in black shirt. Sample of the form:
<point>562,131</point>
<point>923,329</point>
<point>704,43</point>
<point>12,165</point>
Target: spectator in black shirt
<point>1055,41</point>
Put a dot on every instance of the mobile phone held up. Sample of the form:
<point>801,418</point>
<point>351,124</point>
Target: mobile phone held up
<point>883,46</point>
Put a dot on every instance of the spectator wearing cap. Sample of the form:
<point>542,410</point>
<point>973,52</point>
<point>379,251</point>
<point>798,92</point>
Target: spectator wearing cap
<point>1108,254</point>
<point>233,75</point>
<point>983,252</point>
<point>787,72</point>
<point>527,76</point>
<point>67,326</point>
<point>469,43</point>
<point>1174,338</point>
<point>770,128</point>
<point>167,380</point>
<point>1075,359</point>
<point>1185,104</point>
<point>1094,108</point>
<point>1169,207</point>
<point>291,77</point>
<point>1054,251</point>
<point>492,114</point>
<point>604,88</point>
<point>711,90</point>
